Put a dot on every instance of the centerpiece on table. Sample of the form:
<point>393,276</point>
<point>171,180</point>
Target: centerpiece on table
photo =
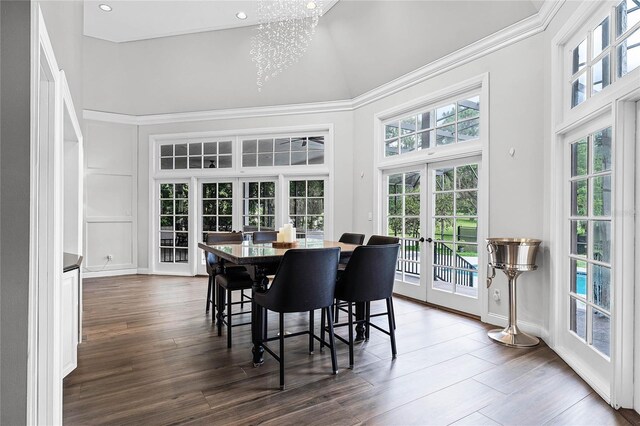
<point>286,237</point>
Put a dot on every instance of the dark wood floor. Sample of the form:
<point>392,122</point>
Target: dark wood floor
<point>151,356</point>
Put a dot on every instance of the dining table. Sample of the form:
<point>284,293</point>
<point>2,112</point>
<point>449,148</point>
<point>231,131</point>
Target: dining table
<point>261,260</point>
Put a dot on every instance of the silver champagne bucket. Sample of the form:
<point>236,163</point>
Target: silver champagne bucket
<point>513,256</point>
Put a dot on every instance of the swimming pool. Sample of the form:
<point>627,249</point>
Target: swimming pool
<point>581,283</point>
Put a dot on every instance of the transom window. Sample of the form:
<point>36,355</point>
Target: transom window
<point>174,222</point>
<point>606,48</point>
<point>447,124</point>
<point>196,155</point>
<point>306,207</point>
<point>590,256</point>
<point>258,206</point>
<point>286,151</point>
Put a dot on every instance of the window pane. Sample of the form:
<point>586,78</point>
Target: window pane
<point>182,255</point>
<point>391,131</point>
<point>181,149</point>
<point>408,143</point>
<point>395,206</point>
<point>265,145</point>
<point>408,125</point>
<point>578,318</point>
<point>316,143</point>
<point>391,148</point>
<point>281,159</point>
<point>601,331</point>
<point>469,130</point>
<point>251,189</point>
<point>412,227</point>
<point>224,147</point>
<point>467,230</point>
<point>298,158</point>
<point>209,223</point>
<point>265,160</point>
<point>225,207</point>
<point>424,139</point>
<point>210,148</point>
<point>444,179</point>
<point>268,189</point>
<point>629,54</point>
<point>627,15</point>
<point>395,184</point>
<point>297,188</point>
<point>166,207</point>
<point>579,238</point>
<point>601,37</point>
<point>166,190</point>
<point>249,146</point>
<point>602,150</point>
<point>210,162</point>
<point>445,135</point>
<point>579,57</point>
<point>446,114</point>
<point>182,190</point>
<point>224,161</point>
<point>601,74</point>
<point>282,145</point>
<point>166,163</point>
<point>579,277</point>
<point>412,205</point>
<point>467,203</point>
<point>443,229</point>
<point>267,206</point>
<point>225,190</point>
<point>316,188</point>
<point>298,144</point>
<point>315,206</point>
<point>181,162</point>
<point>209,207</point>
<point>412,182</point>
<point>425,121</point>
<point>602,196</point>
<point>316,157</point>
<point>224,224</point>
<point>195,162</point>
<point>579,153</point>
<point>166,150</point>
<point>601,284</point>
<point>249,160</point>
<point>579,198</point>
<point>181,223</point>
<point>467,176</point>
<point>444,204</point>
<point>578,90</point>
<point>182,206</point>
<point>195,149</point>
<point>601,241</point>
<point>395,226</point>
<point>469,108</point>
<point>182,239</point>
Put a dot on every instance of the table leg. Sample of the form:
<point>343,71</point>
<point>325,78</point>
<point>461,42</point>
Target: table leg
<point>360,313</point>
<point>258,315</point>
<point>219,297</point>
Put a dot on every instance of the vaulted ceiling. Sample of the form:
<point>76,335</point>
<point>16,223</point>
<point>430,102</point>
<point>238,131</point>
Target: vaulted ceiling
<point>358,46</point>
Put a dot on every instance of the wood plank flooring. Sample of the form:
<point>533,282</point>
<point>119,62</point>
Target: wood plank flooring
<point>151,356</point>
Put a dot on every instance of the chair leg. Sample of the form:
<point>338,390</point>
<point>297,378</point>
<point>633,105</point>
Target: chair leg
<point>322,326</point>
<point>336,305</point>
<point>393,313</point>
<point>350,314</point>
<point>209,288</point>
<point>220,305</point>
<point>332,342</point>
<point>281,351</point>
<point>367,318</point>
<point>229,318</point>
<point>392,332</point>
<point>311,330</point>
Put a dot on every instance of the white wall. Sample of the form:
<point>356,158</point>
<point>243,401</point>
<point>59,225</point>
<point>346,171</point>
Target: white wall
<point>111,173</point>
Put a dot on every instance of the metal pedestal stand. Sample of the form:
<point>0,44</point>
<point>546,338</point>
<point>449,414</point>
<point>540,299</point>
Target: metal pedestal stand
<point>512,336</point>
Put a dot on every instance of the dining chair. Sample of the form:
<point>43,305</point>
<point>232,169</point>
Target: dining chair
<point>213,263</point>
<point>376,240</point>
<point>349,238</point>
<point>260,237</point>
<point>228,282</point>
<point>305,281</point>
<point>369,276</point>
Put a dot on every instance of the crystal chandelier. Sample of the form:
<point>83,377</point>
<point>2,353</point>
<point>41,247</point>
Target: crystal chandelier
<point>285,28</point>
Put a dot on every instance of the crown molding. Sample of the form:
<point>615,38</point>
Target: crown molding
<point>528,27</point>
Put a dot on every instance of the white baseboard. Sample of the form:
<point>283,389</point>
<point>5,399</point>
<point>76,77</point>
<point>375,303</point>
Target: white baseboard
<point>144,271</point>
<point>109,273</point>
<point>527,327</point>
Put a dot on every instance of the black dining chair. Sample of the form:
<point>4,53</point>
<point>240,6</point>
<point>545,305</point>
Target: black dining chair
<point>305,281</point>
<point>213,264</point>
<point>377,240</point>
<point>260,237</point>
<point>349,238</point>
<point>369,276</point>
<point>228,282</point>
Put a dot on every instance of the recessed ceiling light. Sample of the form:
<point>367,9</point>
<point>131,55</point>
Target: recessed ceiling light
<point>311,5</point>
<point>241,15</point>
<point>105,8</point>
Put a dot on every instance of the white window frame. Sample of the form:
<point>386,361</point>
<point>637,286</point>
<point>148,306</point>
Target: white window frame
<point>236,174</point>
<point>618,100</point>
<point>328,199</point>
<point>478,85</point>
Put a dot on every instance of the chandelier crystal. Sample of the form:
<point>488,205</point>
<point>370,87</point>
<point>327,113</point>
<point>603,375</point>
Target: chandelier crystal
<point>285,28</point>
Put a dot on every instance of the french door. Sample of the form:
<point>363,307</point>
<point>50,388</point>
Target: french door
<point>433,209</point>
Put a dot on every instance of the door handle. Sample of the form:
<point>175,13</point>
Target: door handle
<point>422,240</point>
